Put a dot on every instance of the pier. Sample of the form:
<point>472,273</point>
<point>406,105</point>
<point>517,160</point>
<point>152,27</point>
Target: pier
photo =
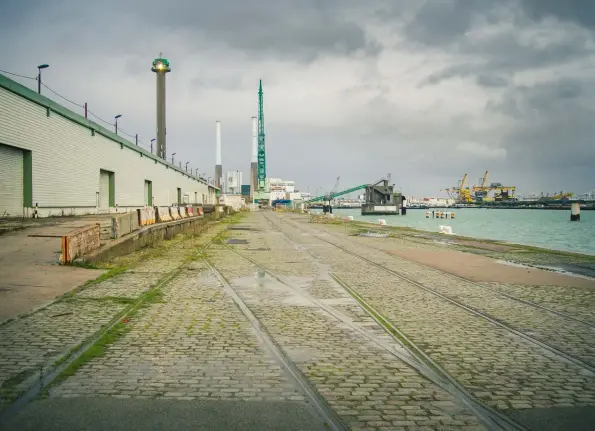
<point>220,329</point>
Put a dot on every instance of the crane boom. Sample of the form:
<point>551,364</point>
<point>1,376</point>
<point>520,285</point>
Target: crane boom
<point>484,180</point>
<point>336,194</point>
<point>463,183</point>
<point>262,167</point>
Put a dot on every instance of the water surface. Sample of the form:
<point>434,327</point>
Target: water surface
<point>543,228</point>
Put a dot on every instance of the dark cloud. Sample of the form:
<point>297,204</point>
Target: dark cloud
<point>492,81</point>
<point>485,84</point>
<point>579,11</point>
<point>301,30</point>
<point>442,22</point>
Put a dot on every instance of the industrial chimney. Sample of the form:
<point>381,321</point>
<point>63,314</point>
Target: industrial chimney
<point>254,164</point>
<point>218,167</point>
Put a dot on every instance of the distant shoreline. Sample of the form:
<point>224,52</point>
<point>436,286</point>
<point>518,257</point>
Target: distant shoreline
<point>551,259</point>
<point>557,208</point>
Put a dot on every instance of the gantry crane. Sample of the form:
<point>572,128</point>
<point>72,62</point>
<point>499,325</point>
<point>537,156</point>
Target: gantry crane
<point>481,192</point>
<point>461,193</point>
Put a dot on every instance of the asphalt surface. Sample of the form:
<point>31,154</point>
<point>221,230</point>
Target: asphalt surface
<point>91,414</point>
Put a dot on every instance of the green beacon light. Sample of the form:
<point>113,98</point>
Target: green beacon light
<point>161,65</point>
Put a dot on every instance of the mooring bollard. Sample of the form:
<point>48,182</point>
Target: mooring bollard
<point>575,211</point>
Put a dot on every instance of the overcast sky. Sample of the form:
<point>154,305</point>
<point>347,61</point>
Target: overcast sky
<point>426,90</point>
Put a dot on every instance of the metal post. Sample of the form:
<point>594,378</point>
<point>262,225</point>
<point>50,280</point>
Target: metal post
<point>137,139</point>
<point>39,82</point>
<point>161,114</point>
<point>85,109</point>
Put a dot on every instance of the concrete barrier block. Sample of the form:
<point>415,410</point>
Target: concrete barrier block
<point>80,242</point>
<point>174,213</point>
<point>183,213</point>
<point>190,211</point>
<point>134,225</point>
<point>147,216</point>
<point>121,225</point>
<point>151,219</point>
<point>163,214</point>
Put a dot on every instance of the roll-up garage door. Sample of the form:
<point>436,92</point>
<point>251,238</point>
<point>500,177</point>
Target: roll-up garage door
<point>11,181</point>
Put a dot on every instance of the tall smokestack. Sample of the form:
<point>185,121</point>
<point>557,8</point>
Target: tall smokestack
<point>254,161</point>
<point>218,167</point>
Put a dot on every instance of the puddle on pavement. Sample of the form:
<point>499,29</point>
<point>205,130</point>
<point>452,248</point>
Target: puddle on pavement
<point>261,287</point>
<point>237,241</point>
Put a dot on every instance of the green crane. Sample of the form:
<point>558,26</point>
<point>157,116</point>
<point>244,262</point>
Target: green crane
<point>262,166</point>
<point>335,194</point>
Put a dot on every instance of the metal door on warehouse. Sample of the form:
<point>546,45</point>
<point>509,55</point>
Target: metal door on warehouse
<point>11,181</point>
<point>104,190</point>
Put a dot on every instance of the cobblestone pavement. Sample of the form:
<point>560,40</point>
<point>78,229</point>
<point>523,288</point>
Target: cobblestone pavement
<point>577,302</point>
<point>569,336</point>
<point>368,387</point>
<point>32,344</point>
<point>194,344</point>
<point>498,367</point>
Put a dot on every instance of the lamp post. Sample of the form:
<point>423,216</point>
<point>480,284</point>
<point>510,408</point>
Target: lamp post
<point>187,166</point>
<point>116,117</point>
<point>152,140</point>
<point>161,67</point>
<point>172,156</point>
<point>41,66</point>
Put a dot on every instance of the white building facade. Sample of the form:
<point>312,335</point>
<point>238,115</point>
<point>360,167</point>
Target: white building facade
<point>63,163</point>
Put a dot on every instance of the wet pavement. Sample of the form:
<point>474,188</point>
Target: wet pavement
<point>262,330</point>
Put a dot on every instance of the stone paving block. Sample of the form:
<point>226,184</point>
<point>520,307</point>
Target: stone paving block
<point>360,380</point>
<point>196,344</point>
<point>33,343</point>
<point>126,285</point>
<point>487,359</point>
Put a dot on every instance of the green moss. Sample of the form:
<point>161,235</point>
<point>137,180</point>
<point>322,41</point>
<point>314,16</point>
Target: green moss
<point>8,389</point>
<point>97,350</point>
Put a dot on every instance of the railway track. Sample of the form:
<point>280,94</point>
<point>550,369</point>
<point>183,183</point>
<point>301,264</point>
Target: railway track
<point>423,363</point>
<point>331,420</point>
<point>52,373</point>
<point>497,321</point>
<point>488,288</point>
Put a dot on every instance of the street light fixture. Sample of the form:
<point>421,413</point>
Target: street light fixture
<point>41,66</point>
<point>172,157</point>
<point>152,140</point>
<point>116,117</point>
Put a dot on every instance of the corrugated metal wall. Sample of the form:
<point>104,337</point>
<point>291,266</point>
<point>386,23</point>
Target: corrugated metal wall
<point>11,181</point>
<point>67,160</point>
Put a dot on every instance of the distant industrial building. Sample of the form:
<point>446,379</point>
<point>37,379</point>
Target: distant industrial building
<point>60,162</point>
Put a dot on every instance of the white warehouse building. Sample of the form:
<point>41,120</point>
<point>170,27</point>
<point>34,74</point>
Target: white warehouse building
<point>63,163</point>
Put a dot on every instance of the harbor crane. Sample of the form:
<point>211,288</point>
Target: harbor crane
<point>461,193</point>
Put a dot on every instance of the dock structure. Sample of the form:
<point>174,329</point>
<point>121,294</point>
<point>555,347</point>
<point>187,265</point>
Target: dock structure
<point>381,199</point>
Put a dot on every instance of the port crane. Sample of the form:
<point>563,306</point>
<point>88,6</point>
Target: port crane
<point>461,193</point>
<point>479,193</point>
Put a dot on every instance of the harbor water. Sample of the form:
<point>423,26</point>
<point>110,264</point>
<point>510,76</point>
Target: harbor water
<point>542,228</point>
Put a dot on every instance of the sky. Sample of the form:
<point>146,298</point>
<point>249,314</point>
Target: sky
<point>424,90</point>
